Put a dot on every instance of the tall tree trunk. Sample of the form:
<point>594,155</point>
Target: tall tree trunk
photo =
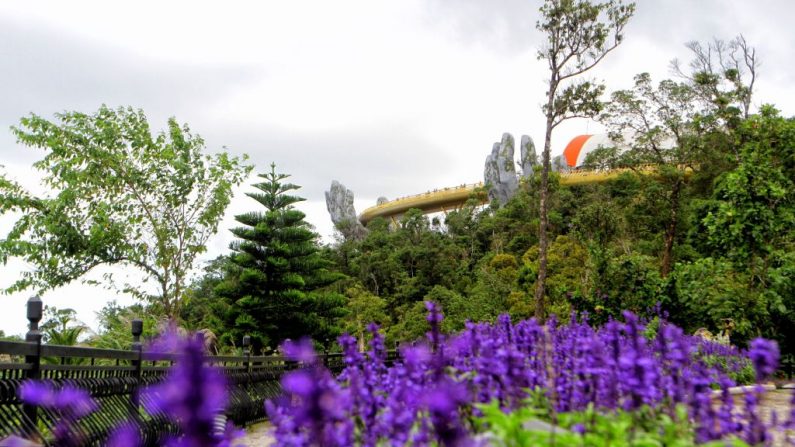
<point>166,300</point>
<point>670,232</point>
<point>543,238</point>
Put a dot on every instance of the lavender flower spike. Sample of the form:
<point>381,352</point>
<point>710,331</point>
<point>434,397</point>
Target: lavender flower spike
<point>72,403</point>
<point>192,394</point>
<point>764,354</point>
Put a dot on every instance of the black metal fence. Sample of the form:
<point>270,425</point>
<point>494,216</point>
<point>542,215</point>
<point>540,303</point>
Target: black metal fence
<point>114,379</point>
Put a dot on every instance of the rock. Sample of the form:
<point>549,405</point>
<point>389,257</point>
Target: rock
<point>527,156</point>
<point>339,202</point>
<point>500,172</point>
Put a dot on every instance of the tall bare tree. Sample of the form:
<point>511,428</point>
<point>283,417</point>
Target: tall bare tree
<point>579,33</point>
<point>723,73</point>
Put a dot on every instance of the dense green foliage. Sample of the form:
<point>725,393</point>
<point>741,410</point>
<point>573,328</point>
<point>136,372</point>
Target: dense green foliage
<point>115,324</point>
<point>708,240</point>
<point>528,426</point>
<point>61,327</point>
<point>732,254</point>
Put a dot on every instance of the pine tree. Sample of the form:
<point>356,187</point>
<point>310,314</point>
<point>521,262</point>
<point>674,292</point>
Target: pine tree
<point>276,284</point>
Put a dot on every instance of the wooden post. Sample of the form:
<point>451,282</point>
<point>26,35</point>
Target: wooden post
<point>137,330</point>
<point>35,308</point>
<point>247,352</point>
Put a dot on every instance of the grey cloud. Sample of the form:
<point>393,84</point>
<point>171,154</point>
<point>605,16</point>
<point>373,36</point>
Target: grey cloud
<point>509,25</point>
<point>390,160</point>
<point>43,71</point>
<point>502,25</point>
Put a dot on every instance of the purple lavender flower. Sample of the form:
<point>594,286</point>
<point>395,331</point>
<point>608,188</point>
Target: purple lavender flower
<point>764,354</point>
<point>638,369</point>
<point>443,402</point>
<point>70,402</point>
<point>755,432</point>
<point>726,419</point>
<point>125,435</point>
<point>421,400</point>
<point>315,408</point>
<point>702,410</point>
<point>300,351</point>
<point>192,394</point>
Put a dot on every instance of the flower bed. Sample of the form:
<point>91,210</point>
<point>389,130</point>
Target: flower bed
<point>606,386</point>
<point>523,384</point>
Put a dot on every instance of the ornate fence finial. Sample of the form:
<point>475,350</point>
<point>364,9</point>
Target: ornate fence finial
<point>137,327</point>
<point>35,309</point>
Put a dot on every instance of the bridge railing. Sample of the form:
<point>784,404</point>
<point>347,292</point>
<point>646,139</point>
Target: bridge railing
<point>115,377</point>
<point>435,191</point>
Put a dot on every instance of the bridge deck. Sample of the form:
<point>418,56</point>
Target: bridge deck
<point>447,199</point>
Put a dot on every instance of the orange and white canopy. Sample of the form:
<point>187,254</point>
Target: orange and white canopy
<point>579,147</point>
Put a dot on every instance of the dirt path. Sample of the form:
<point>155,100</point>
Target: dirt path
<point>778,401</point>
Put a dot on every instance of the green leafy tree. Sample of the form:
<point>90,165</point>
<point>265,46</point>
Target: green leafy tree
<point>204,309</point>
<point>276,286</point>
<point>410,325</point>
<point>459,309</point>
<point>663,133</point>
<point>402,264</point>
<point>579,33</point>
<point>363,308</point>
<point>682,127</point>
<point>708,292</point>
<point>374,262</point>
<point>463,228</point>
<point>750,225</point>
<point>755,213</point>
<point>5,337</point>
<point>497,276</point>
<point>568,274</point>
<point>115,325</point>
<point>61,326</point>
<point>118,195</point>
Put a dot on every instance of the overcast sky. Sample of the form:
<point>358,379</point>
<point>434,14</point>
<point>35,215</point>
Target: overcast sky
<point>388,97</point>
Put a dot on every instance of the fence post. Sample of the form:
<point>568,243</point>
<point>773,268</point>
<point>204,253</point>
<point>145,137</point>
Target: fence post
<point>247,352</point>
<point>33,335</point>
<point>326,361</point>
<point>137,330</point>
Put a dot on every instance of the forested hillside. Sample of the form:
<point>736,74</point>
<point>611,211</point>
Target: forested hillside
<point>732,256</point>
<point>732,249</point>
<point>704,238</point>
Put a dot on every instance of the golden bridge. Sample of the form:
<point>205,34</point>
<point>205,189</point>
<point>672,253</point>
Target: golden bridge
<point>453,198</point>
